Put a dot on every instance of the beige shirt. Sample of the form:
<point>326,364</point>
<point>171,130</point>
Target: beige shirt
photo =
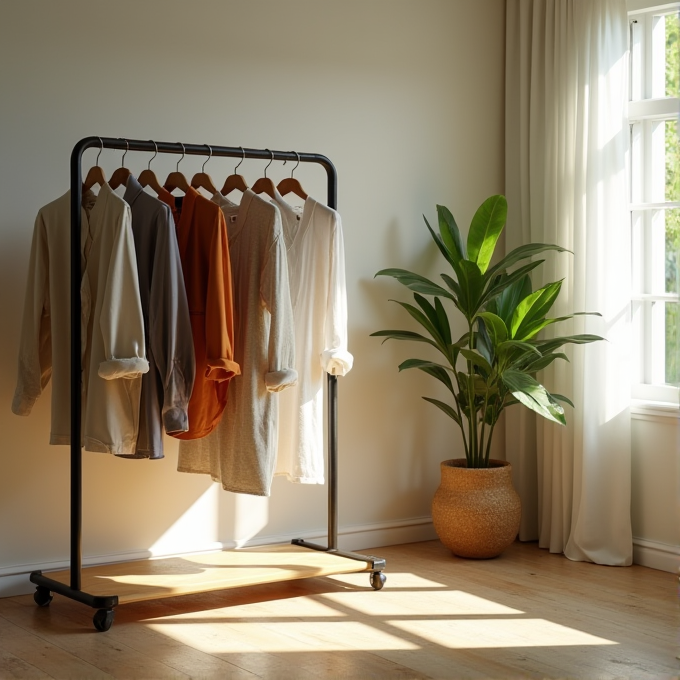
<point>113,356</point>
<point>241,452</point>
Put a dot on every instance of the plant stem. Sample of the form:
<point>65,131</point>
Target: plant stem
<point>481,439</point>
<point>488,445</point>
<point>460,413</point>
<point>474,446</point>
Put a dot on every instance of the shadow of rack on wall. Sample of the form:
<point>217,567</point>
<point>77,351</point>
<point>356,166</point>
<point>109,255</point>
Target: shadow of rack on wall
<point>201,572</point>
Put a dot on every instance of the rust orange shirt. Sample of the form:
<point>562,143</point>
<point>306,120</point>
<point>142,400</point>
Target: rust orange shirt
<point>204,253</point>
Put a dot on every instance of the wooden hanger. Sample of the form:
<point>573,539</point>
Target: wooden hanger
<point>291,185</point>
<point>120,176</point>
<point>235,181</point>
<point>176,180</point>
<point>264,185</point>
<point>147,178</point>
<point>202,179</point>
<point>95,175</point>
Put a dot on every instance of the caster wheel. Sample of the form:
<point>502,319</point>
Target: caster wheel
<point>378,580</point>
<point>103,619</point>
<point>42,596</point>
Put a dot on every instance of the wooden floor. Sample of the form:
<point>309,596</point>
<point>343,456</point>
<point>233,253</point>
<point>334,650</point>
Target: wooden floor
<point>527,614</point>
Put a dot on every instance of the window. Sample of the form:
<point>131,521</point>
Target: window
<point>655,200</point>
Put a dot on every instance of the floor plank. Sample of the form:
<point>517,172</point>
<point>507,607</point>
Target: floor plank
<point>526,614</point>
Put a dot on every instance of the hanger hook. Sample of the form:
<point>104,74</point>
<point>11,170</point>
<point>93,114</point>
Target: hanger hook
<point>208,158</point>
<point>296,165</point>
<point>243,151</point>
<point>270,162</point>
<point>184,151</point>
<point>101,148</point>
<point>127,148</point>
<point>155,154</point>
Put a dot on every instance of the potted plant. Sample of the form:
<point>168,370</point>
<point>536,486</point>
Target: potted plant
<point>493,365</point>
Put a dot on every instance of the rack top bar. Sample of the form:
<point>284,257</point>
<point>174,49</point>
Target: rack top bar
<point>198,150</point>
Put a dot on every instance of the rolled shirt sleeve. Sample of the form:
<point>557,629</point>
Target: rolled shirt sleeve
<point>275,291</point>
<point>335,358</point>
<point>121,321</point>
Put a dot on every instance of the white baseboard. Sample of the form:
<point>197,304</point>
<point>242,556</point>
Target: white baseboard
<point>656,555</point>
<point>14,580</point>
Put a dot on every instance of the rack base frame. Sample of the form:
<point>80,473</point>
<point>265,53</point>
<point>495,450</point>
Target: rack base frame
<point>201,572</point>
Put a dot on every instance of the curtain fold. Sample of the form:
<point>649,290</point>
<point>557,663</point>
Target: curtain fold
<point>566,147</point>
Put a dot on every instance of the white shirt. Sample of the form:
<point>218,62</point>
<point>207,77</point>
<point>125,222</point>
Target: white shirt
<point>113,354</point>
<point>316,271</point>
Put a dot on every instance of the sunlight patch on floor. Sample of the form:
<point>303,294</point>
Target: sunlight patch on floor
<point>270,610</point>
<point>442,603</point>
<point>495,633</point>
<point>296,636</point>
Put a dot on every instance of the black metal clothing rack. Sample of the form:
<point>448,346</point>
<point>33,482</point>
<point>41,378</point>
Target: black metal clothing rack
<point>103,618</point>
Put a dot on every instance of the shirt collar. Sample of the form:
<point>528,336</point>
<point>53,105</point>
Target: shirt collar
<point>132,190</point>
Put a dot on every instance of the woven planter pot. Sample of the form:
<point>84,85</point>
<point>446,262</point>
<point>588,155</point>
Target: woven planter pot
<point>476,511</point>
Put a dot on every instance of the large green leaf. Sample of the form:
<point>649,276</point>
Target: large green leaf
<point>415,282</point>
<point>500,283</point>
<point>495,327</point>
<point>545,346</point>
<point>542,362</point>
<point>403,335</point>
<point>450,233</point>
<point>424,322</point>
<point>518,344</point>
<point>561,397</point>
<point>440,244</point>
<point>452,284</point>
<point>532,308</point>
<point>507,301</point>
<point>449,410</point>
<point>443,320</point>
<point>485,228</point>
<point>528,332</point>
<point>437,371</point>
<point>471,284</point>
<point>522,253</point>
<point>437,316</point>
<point>477,360</point>
<point>483,343</point>
<point>533,395</point>
<point>429,310</point>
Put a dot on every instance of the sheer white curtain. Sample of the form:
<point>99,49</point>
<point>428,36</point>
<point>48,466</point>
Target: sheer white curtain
<point>566,145</point>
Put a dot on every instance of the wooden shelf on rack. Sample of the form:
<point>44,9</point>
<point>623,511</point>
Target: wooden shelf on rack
<point>202,572</point>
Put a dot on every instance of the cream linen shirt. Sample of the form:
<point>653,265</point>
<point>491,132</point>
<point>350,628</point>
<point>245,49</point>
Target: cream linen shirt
<point>113,356</point>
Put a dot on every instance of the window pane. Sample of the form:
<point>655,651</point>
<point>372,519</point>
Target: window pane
<point>672,160</point>
<point>672,55</point>
<point>672,220</point>
<point>672,228</point>
<point>672,346</point>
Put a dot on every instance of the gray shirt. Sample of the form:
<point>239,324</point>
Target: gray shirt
<point>166,388</point>
<point>240,452</point>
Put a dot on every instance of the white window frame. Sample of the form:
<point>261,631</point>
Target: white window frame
<point>648,109</point>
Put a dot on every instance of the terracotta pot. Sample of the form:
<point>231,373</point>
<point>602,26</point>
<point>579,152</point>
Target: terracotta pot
<point>476,511</point>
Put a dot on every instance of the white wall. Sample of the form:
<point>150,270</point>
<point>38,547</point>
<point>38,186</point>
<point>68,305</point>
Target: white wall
<point>655,502</point>
<point>405,97</point>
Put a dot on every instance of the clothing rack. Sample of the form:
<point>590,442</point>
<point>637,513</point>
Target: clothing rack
<point>69,582</point>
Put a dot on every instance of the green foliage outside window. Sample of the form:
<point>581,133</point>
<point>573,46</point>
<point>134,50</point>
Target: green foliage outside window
<point>672,194</point>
